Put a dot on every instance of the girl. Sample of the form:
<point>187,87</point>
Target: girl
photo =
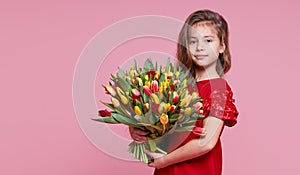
<point>203,48</point>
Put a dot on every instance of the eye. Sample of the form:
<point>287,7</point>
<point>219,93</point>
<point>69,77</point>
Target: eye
<point>208,40</point>
<point>191,42</point>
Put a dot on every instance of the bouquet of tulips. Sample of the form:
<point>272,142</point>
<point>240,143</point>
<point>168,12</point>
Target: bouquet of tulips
<point>155,99</point>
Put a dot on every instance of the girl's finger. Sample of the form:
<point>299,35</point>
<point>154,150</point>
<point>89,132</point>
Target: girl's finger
<point>151,164</point>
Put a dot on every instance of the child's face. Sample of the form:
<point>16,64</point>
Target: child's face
<point>204,45</point>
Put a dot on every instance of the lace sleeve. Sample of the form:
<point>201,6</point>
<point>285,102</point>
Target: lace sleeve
<point>220,104</point>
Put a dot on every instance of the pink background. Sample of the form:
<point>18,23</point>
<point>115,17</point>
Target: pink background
<point>41,43</point>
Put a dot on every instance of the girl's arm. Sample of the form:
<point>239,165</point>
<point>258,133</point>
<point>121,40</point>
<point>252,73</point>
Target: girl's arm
<point>193,148</point>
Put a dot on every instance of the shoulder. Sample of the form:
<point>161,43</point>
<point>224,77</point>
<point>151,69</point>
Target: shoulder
<point>206,87</point>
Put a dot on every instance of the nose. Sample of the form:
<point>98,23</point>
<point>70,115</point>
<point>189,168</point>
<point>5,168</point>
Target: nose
<point>200,46</point>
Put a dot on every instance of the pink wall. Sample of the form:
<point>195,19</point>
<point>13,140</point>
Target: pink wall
<point>42,42</point>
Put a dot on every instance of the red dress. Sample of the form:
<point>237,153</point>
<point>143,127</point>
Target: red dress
<point>218,102</point>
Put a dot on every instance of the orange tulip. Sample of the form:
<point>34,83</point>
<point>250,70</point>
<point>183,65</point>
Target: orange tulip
<point>164,119</point>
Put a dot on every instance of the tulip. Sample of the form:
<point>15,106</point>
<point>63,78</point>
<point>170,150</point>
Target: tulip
<point>139,80</point>
<point>195,95</point>
<point>109,89</point>
<point>197,106</point>
<point>161,91</point>
<point>201,111</point>
<point>162,107</point>
<point>184,83</point>
<point>164,119</point>
<point>176,82</point>
<point>146,77</point>
<point>180,118</point>
<point>146,106</point>
<point>177,111</point>
<point>157,74</point>
<point>154,86</point>
<point>175,98</point>
<point>147,90</point>
<point>151,73</point>
<point>187,111</point>
<point>167,106</point>
<point>177,74</point>
<point>137,110</point>
<point>124,100</point>
<point>186,101</point>
<point>115,102</point>
<point>119,91</point>
<point>155,98</point>
<point>172,86</point>
<point>104,113</point>
<point>135,93</point>
<point>148,84</point>
<point>171,108</point>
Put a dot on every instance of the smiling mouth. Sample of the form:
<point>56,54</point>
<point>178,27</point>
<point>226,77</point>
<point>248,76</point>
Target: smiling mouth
<point>200,57</point>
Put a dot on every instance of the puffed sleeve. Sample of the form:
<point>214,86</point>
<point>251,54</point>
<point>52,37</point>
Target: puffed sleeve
<point>220,104</point>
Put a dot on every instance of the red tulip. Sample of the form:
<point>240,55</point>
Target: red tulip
<point>154,86</point>
<point>171,109</point>
<point>135,93</point>
<point>151,73</point>
<point>146,106</point>
<point>104,113</point>
<point>175,98</point>
<point>147,91</point>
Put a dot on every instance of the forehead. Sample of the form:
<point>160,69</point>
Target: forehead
<point>203,29</point>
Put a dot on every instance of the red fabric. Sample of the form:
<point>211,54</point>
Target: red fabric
<point>218,102</point>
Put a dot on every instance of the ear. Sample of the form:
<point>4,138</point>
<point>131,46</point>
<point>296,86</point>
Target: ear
<point>222,47</point>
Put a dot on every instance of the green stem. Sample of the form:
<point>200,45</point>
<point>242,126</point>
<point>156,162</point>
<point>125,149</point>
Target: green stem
<point>161,151</point>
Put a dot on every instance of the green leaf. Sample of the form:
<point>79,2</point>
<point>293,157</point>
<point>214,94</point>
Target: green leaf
<point>106,120</point>
<point>168,65</point>
<point>111,106</point>
<point>182,76</point>
<point>125,85</point>
<point>121,73</point>
<point>148,65</point>
<point>175,116</point>
<point>184,128</point>
<point>123,119</point>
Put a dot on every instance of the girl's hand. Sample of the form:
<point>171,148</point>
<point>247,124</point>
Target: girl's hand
<point>137,134</point>
<point>159,160</point>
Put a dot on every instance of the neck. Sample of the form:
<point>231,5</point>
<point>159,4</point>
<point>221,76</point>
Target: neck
<point>206,74</point>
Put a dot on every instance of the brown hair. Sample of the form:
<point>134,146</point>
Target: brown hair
<point>219,23</point>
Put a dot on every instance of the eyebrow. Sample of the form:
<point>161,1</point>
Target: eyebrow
<point>206,36</point>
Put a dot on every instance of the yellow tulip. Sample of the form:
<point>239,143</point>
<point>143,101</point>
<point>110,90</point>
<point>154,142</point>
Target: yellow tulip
<point>162,107</point>
<point>137,110</point>
<point>119,91</point>
<point>184,83</point>
<point>139,80</point>
<point>124,99</point>
<point>157,74</point>
<point>186,101</point>
<point>109,89</point>
<point>187,111</point>
<point>115,102</point>
<point>155,98</point>
<point>195,95</point>
<point>148,84</point>
<point>146,77</point>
